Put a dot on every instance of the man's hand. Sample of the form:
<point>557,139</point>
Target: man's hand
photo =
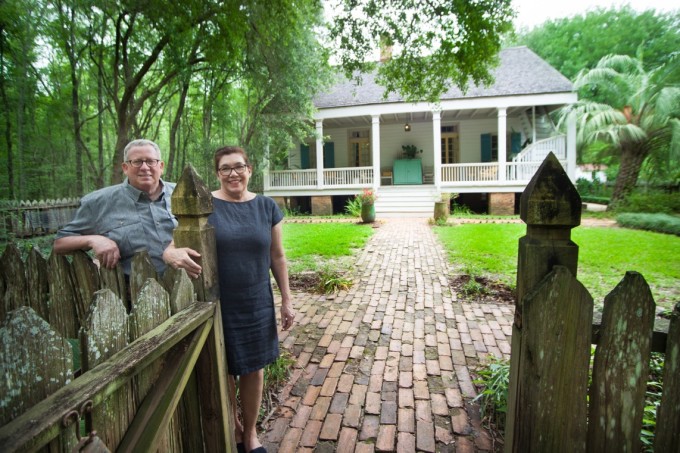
<point>105,250</point>
<point>183,258</point>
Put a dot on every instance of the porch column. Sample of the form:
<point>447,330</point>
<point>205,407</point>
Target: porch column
<point>375,149</point>
<point>437,147</point>
<point>319,154</point>
<point>571,148</point>
<point>502,120</point>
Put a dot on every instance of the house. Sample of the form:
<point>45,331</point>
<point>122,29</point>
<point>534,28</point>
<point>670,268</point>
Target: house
<point>361,138</point>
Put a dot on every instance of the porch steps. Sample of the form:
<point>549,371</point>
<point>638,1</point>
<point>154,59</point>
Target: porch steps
<point>405,201</point>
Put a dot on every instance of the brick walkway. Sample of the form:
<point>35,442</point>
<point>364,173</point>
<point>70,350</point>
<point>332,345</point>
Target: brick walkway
<point>385,366</point>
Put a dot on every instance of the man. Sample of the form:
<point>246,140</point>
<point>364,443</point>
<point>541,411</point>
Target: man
<point>120,220</point>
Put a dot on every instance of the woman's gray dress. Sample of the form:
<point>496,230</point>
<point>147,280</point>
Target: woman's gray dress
<point>243,236</point>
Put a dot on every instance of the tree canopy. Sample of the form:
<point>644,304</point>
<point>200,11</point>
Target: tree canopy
<point>435,42</point>
<point>79,80</point>
<point>638,115</point>
<point>572,44</point>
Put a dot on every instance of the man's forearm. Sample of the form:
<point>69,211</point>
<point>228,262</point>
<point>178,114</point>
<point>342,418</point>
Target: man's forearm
<point>70,244</point>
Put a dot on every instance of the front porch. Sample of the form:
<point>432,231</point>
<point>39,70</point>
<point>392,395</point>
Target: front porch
<point>512,176</point>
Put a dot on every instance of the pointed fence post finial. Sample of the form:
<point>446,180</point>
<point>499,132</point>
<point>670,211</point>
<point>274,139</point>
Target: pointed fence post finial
<point>192,204</point>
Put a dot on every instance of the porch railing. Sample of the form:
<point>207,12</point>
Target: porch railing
<point>332,177</point>
<point>292,178</point>
<point>538,151</point>
<point>451,174</point>
<point>351,176</point>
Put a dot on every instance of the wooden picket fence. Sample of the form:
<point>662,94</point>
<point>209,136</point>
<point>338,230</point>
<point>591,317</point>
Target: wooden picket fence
<point>152,369</point>
<point>22,219</point>
<point>551,406</point>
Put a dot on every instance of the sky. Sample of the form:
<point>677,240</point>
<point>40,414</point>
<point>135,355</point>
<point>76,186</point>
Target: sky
<point>534,12</point>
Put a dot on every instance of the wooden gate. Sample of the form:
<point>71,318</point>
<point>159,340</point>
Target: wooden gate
<point>149,371</point>
<point>552,407</point>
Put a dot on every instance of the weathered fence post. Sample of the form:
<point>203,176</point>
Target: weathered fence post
<point>551,207</point>
<point>192,204</point>
<point>668,418</point>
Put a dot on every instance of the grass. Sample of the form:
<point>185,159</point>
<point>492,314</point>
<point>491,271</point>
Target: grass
<point>309,246</point>
<point>605,254</point>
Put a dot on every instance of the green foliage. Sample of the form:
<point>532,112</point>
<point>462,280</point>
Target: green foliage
<point>628,112</point>
<point>574,43</point>
<point>593,199</point>
<point>595,187</point>
<point>353,207</point>
<point>275,376</point>
<point>439,42</point>
<point>460,210</point>
<point>191,76</point>
<point>473,288</point>
<point>652,401</point>
<point>411,151</point>
<point>494,379</point>
<point>493,399</point>
<point>651,201</point>
<point>661,223</point>
<point>332,281</point>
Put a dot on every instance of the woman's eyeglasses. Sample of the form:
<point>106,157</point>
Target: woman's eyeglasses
<point>239,169</point>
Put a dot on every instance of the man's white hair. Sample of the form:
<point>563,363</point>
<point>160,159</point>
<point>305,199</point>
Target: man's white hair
<point>140,142</point>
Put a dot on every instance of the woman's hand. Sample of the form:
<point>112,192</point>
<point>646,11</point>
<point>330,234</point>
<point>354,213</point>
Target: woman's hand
<point>287,316</point>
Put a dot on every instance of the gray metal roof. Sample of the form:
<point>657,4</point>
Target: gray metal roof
<point>520,72</point>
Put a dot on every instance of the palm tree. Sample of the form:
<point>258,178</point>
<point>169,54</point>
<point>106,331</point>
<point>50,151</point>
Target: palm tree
<point>629,113</point>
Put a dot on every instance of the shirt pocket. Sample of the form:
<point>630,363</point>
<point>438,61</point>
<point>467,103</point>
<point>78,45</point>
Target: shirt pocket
<point>129,235</point>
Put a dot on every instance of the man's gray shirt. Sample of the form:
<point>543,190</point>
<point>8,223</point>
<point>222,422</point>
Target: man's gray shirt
<point>128,217</point>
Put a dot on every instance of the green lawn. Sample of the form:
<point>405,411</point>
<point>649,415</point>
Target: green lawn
<point>310,246</point>
<point>605,254</point>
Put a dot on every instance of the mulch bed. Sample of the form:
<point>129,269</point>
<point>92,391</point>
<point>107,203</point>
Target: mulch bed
<point>490,291</point>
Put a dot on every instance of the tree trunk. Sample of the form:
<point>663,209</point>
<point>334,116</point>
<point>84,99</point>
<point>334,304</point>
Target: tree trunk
<point>8,121</point>
<point>632,157</point>
<point>174,127</point>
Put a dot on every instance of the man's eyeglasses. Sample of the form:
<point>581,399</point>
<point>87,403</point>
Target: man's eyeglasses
<point>239,169</point>
<point>139,162</point>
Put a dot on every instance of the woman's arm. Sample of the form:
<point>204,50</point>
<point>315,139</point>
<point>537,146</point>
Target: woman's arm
<point>280,270</point>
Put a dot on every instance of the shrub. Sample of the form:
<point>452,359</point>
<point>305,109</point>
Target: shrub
<point>353,207</point>
<point>331,281</point>
<point>660,223</point>
<point>495,380</point>
<point>652,201</point>
<point>594,199</point>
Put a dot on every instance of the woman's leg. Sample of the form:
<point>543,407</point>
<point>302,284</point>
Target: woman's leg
<point>250,386</point>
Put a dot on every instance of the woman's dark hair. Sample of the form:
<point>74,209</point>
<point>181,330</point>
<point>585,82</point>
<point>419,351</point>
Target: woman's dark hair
<point>226,150</point>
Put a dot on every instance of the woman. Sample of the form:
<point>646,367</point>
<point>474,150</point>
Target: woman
<point>248,234</point>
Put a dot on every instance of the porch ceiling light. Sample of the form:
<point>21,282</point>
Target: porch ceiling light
<point>407,127</point>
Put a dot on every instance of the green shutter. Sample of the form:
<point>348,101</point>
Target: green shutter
<point>304,156</point>
<point>486,147</point>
